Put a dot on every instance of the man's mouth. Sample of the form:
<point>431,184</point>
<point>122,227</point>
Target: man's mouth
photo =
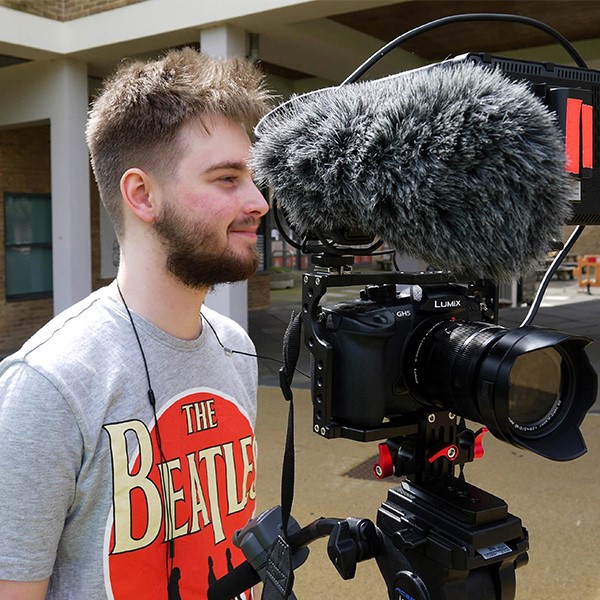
<point>246,229</point>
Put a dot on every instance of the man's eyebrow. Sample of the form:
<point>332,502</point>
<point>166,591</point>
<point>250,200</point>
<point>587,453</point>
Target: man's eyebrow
<point>234,165</point>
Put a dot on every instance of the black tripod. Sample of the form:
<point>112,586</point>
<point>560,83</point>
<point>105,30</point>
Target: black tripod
<point>436,536</point>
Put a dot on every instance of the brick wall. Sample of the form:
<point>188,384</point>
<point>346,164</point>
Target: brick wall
<point>259,292</point>
<point>24,167</point>
<point>65,10</point>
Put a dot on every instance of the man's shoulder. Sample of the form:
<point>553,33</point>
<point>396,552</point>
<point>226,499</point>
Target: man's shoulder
<point>75,331</point>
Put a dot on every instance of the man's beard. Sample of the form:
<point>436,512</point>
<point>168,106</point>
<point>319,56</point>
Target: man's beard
<point>193,256</point>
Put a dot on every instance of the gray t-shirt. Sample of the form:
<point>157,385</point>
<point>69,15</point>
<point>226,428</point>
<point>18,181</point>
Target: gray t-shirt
<point>90,495</point>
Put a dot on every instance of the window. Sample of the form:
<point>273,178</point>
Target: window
<point>28,246</point>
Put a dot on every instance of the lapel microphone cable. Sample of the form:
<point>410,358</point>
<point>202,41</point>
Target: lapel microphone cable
<point>170,556</point>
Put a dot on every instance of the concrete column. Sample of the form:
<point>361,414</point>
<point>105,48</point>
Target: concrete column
<point>71,231</point>
<point>230,300</point>
<point>56,90</point>
<point>224,41</point>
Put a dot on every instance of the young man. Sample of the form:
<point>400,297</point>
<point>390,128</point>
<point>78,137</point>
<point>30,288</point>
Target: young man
<point>126,424</point>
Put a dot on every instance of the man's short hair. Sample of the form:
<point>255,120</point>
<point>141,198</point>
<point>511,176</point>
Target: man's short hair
<point>136,119</point>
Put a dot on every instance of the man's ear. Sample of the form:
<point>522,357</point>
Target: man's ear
<point>137,189</point>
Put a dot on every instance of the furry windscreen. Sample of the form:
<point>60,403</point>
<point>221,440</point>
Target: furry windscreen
<point>454,164</point>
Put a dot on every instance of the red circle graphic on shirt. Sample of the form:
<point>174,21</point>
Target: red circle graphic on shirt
<point>190,498</point>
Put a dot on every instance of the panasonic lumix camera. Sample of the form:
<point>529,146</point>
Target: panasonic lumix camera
<point>403,350</point>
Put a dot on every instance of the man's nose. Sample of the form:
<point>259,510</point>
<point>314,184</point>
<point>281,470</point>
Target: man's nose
<point>256,202</point>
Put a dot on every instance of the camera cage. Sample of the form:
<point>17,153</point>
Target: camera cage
<point>329,272</point>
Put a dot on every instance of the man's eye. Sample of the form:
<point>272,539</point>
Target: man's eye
<point>228,179</point>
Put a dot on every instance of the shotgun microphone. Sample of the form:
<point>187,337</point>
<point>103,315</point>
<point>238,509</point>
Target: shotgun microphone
<point>454,164</point>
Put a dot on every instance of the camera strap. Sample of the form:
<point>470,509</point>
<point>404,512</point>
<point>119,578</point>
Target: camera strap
<point>279,578</point>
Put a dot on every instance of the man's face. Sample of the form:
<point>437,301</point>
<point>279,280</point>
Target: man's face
<point>210,208</point>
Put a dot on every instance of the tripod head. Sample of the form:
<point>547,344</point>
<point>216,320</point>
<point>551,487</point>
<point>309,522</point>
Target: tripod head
<point>444,539</point>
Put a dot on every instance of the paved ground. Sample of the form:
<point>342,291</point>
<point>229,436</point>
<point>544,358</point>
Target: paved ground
<point>557,502</point>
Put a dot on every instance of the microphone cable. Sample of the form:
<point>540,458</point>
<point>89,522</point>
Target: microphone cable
<point>563,41</point>
<point>230,351</point>
<point>169,518</point>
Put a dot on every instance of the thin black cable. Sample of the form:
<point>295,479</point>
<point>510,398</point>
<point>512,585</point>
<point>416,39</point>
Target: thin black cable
<point>281,229</point>
<point>341,250</point>
<point>549,274</point>
<point>152,399</point>
<point>563,41</point>
<point>328,245</point>
<point>231,351</point>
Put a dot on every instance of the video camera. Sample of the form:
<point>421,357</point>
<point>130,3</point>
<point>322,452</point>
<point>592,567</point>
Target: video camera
<point>392,356</point>
<point>409,361</point>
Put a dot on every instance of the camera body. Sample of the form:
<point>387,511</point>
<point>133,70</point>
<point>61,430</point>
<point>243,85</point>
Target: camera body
<point>374,341</point>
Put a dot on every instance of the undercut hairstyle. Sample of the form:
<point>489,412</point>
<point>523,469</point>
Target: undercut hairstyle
<point>136,119</point>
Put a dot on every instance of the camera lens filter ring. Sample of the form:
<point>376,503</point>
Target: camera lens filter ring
<point>530,386</point>
<point>535,387</point>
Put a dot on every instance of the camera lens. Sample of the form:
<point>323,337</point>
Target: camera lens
<point>531,387</point>
<point>536,383</point>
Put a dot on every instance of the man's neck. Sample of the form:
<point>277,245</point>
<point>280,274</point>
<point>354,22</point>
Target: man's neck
<point>161,299</point>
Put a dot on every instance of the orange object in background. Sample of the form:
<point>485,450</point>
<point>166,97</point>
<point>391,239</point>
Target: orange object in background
<point>587,271</point>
